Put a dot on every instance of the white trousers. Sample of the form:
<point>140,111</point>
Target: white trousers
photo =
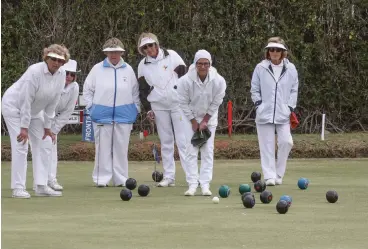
<point>111,158</point>
<point>40,149</point>
<point>206,171</point>
<point>271,168</point>
<point>171,127</point>
<point>53,161</point>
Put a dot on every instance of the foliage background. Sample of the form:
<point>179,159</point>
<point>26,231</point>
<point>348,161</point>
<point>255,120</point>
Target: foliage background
<point>327,40</point>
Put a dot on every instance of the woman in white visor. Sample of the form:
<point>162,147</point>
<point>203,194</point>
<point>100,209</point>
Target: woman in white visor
<point>28,107</point>
<point>158,73</point>
<point>111,92</point>
<point>274,93</point>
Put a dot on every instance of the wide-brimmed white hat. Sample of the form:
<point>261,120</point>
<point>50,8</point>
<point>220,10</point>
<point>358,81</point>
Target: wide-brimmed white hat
<point>146,40</point>
<point>275,45</point>
<point>71,66</point>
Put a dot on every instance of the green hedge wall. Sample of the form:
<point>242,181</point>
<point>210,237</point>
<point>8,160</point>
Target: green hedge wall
<point>327,41</point>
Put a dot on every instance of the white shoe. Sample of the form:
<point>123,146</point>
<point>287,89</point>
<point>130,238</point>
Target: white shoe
<point>20,193</point>
<point>270,182</point>
<point>166,182</point>
<point>55,185</point>
<point>191,191</point>
<point>278,181</point>
<point>47,191</point>
<point>206,192</point>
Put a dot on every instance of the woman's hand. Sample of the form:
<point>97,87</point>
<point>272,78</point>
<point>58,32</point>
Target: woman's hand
<point>151,116</point>
<point>23,135</point>
<point>50,134</point>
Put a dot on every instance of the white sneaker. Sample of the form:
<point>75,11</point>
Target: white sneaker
<point>47,191</point>
<point>20,193</point>
<point>55,185</point>
<point>270,182</point>
<point>166,182</point>
<point>206,191</point>
<point>191,191</point>
<point>278,181</point>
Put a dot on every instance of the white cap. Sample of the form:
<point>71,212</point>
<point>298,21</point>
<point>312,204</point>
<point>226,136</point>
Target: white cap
<point>202,54</point>
<point>275,45</point>
<point>71,66</point>
<point>118,48</point>
<point>55,55</point>
<point>146,40</point>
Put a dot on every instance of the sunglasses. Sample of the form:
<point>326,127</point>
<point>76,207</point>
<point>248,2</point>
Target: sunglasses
<point>70,73</point>
<point>56,59</point>
<point>148,45</point>
<point>275,50</point>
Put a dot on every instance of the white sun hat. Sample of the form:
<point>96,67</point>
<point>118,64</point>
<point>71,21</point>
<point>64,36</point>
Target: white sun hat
<point>146,40</point>
<point>71,66</point>
<point>113,49</point>
<point>55,55</point>
<point>275,45</point>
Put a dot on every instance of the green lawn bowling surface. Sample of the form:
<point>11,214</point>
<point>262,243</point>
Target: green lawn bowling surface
<point>93,218</point>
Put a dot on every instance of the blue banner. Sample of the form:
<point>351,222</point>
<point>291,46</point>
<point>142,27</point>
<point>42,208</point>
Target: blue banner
<point>87,128</point>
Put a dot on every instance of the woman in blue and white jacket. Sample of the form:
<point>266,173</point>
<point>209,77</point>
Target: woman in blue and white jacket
<point>112,95</point>
<point>158,73</point>
<point>274,92</point>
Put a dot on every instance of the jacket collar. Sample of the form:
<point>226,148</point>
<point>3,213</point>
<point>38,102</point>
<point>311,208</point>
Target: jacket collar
<point>162,54</point>
<point>121,64</point>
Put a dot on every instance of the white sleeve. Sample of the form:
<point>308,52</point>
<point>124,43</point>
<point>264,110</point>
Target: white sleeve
<point>62,119</point>
<point>294,92</point>
<point>218,97</point>
<point>89,89</point>
<point>49,112</point>
<point>184,98</point>
<point>27,94</point>
<point>135,92</point>
<point>255,86</point>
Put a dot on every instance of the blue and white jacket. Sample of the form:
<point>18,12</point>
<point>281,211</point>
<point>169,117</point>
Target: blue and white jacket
<point>112,93</point>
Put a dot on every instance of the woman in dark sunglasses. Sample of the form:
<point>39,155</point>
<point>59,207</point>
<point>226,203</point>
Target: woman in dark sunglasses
<point>63,110</point>
<point>28,107</point>
<point>274,93</point>
<point>158,73</point>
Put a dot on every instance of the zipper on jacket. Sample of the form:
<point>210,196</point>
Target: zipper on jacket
<point>274,106</point>
<point>113,110</point>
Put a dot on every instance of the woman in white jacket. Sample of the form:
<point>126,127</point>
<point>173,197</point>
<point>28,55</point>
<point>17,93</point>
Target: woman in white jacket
<point>201,92</point>
<point>111,92</point>
<point>28,107</point>
<point>274,93</point>
<point>63,110</point>
<point>158,73</point>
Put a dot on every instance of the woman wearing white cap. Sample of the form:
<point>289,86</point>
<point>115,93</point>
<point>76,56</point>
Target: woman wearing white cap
<point>36,92</point>
<point>63,110</point>
<point>201,92</point>
<point>158,73</point>
<point>274,93</point>
<point>111,92</point>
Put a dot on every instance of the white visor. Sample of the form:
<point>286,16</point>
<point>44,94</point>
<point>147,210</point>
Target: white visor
<point>146,40</point>
<point>120,49</point>
<point>275,45</point>
<point>55,55</point>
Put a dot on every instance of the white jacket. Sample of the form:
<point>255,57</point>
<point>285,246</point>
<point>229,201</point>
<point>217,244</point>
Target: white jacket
<point>197,98</point>
<point>158,80</point>
<point>272,96</point>
<point>37,90</point>
<point>112,93</point>
<point>65,107</point>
